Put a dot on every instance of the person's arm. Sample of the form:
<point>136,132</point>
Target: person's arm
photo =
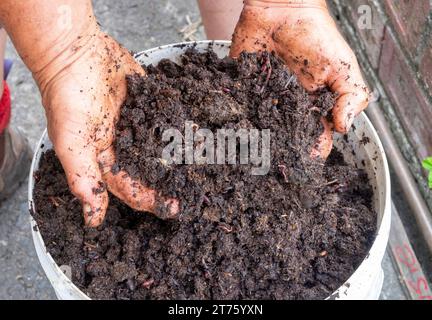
<point>303,33</point>
<point>44,30</point>
<point>81,73</point>
<point>220,17</point>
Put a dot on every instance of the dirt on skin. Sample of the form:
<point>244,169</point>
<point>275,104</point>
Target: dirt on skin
<point>298,232</point>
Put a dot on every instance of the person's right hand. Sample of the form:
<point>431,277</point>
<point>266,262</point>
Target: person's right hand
<point>82,91</point>
<point>304,35</point>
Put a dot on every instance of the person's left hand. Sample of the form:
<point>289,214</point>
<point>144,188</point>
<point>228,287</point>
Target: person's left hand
<point>83,90</point>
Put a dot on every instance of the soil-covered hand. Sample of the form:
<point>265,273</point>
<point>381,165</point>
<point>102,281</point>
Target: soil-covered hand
<point>81,73</point>
<point>305,36</point>
<point>82,93</point>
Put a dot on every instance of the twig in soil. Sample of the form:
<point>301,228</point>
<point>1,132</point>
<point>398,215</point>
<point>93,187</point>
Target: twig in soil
<point>225,227</point>
<point>289,81</point>
<point>147,284</point>
<point>204,263</point>
<point>90,245</point>
<point>329,183</point>
<point>206,200</point>
<point>323,253</point>
<point>282,169</point>
<point>340,187</point>
<point>296,202</point>
<point>229,189</point>
<point>286,85</point>
<point>266,67</point>
<point>315,109</point>
<point>55,201</point>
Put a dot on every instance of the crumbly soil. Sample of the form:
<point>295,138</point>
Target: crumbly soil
<point>298,232</point>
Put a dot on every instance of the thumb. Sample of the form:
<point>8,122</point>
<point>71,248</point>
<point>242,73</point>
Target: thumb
<point>85,180</point>
<point>353,97</point>
<point>324,144</point>
<point>133,193</point>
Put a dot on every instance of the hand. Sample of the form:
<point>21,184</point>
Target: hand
<point>82,91</point>
<point>305,36</point>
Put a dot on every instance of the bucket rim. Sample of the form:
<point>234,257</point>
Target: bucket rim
<point>377,248</point>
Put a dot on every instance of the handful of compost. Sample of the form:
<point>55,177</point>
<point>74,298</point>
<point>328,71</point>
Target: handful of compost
<point>305,36</point>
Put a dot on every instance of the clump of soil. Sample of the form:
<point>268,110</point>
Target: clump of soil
<point>298,232</point>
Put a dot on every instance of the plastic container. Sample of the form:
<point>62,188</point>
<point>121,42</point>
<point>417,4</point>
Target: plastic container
<point>365,283</point>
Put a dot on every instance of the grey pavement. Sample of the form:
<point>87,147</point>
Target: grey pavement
<point>392,286</point>
<point>138,25</point>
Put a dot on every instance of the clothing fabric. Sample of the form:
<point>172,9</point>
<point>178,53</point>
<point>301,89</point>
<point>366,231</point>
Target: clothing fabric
<point>5,108</point>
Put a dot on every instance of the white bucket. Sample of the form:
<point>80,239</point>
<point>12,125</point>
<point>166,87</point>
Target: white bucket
<point>365,283</point>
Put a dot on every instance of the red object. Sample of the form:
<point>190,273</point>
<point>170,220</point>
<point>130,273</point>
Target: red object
<point>5,108</point>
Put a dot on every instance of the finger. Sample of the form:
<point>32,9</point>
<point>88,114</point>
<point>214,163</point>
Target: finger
<point>347,107</point>
<point>84,178</point>
<point>133,193</point>
<point>129,65</point>
<point>324,144</point>
<point>133,67</point>
<point>251,34</point>
<point>353,96</point>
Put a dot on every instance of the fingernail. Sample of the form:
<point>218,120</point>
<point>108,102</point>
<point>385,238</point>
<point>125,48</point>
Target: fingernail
<point>349,121</point>
<point>88,214</point>
<point>87,209</point>
<point>173,207</point>
<point>315,153</point>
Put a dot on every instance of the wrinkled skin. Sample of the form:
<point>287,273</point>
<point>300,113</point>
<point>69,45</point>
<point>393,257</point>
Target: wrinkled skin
<point>82,102</point>
<point>81,74</point>
<point>305,36</point>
